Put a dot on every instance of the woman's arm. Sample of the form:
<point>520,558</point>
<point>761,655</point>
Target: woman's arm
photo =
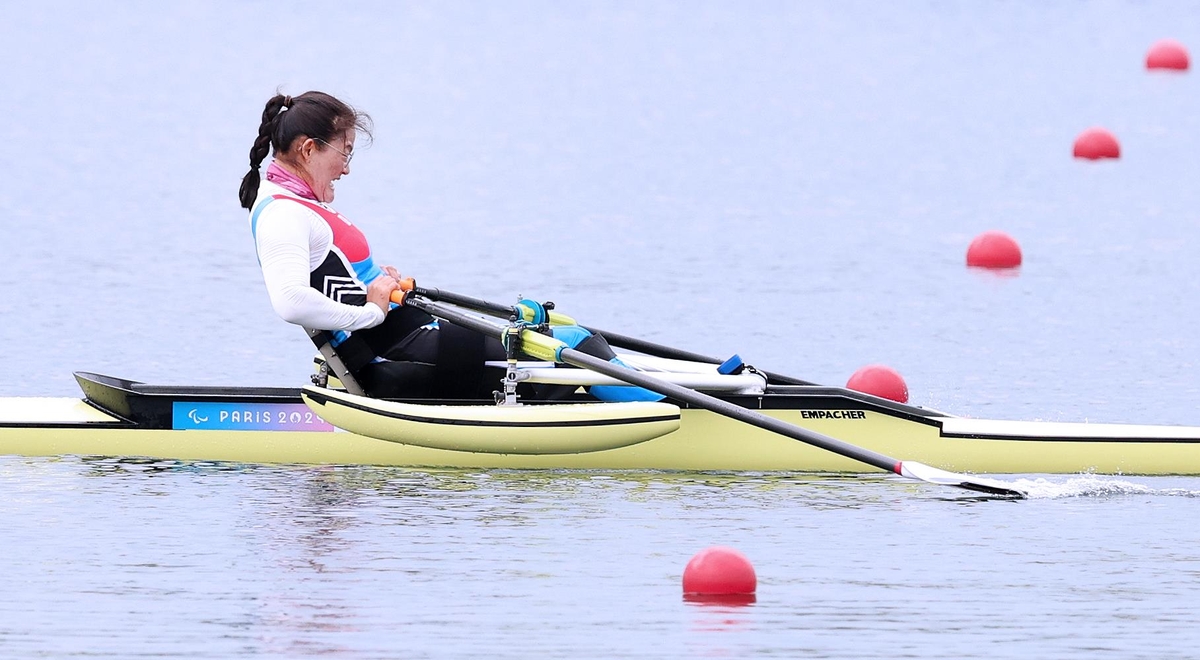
<point>284,245</point>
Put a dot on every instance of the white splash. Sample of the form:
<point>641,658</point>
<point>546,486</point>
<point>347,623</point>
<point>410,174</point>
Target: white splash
<point>1092,485</point>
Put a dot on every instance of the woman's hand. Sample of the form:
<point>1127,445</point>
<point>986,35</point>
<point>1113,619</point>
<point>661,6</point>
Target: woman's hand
<point>379,291</point>
<point>405,284</point>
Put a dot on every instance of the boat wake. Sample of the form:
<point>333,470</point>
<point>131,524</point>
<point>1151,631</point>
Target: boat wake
<point>1093,485</point>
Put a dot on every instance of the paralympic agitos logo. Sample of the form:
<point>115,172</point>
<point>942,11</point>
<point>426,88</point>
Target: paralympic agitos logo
<point>196,417</point>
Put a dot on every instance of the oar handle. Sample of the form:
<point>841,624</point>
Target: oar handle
<point>407,285</point>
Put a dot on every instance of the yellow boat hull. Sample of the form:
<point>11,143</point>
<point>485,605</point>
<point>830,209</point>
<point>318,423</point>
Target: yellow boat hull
<point>704,441</point>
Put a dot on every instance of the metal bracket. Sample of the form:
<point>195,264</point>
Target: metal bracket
<point>321,378</point>
<point>333,361</point>
<point>512,344</point>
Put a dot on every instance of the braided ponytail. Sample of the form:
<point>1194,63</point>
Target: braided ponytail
<point>272,114</point>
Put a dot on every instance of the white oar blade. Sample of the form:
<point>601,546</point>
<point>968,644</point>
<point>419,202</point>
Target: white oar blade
<point>914,470</point>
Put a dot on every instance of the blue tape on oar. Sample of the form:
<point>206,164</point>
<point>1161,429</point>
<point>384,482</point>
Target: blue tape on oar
<point>733,365</point>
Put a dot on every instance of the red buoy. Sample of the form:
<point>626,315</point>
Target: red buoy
<point>719,574</point>
<point>1167,54</point>
<point>1096,143</point>
<point>994,249</point>
<point>880,381</point>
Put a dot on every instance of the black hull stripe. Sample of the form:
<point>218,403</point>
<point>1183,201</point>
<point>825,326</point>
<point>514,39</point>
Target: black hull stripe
<point>324,400</point>
<point>120,426</point>
<point>1043,439</point>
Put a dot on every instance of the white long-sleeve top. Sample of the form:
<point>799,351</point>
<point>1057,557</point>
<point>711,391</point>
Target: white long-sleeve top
<point>315,263</point>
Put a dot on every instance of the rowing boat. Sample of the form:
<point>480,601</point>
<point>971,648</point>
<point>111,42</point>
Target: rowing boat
<point>125,418</point>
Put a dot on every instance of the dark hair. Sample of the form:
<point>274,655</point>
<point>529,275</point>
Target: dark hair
<point>316,115</point>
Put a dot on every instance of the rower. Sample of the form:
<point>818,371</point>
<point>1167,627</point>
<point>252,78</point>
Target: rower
<point>320,273</point>
<point>319,270</point>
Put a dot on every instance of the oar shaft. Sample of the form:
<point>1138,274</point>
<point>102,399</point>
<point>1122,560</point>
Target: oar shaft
<point>677,392</point>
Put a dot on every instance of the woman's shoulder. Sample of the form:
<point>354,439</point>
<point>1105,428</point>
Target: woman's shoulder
<point>277,207</point>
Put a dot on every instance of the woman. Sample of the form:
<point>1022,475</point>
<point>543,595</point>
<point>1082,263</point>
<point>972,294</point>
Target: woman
<point>320,273</point>
<point>318,267</point>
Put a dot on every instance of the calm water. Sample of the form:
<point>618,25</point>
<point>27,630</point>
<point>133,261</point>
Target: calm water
<point>795,182</point>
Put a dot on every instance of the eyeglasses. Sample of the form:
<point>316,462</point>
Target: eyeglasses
<point>349,156</point>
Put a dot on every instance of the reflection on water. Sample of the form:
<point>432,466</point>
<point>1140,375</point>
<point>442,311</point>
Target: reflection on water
<point>727,601</point>
<point>357,561</point>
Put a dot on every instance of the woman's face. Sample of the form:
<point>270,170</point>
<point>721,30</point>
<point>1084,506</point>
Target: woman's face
<point>325,163</point>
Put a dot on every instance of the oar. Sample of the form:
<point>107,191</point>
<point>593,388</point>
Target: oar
<point>548,348</point>
<point>614,338</point>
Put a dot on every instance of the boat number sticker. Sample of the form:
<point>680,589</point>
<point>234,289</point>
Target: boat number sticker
<point>833,414</point>
<point>207,416</point>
